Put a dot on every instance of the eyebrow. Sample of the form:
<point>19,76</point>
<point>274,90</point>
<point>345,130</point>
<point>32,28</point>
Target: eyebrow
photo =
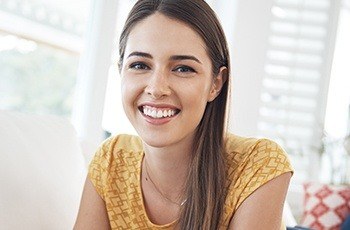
<point>184,57</point>
<point>173,58</point>
<point>140,54</point>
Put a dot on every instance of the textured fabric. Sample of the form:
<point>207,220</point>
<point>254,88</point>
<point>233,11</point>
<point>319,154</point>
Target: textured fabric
<point>115,172</point>
<point>325,206</point>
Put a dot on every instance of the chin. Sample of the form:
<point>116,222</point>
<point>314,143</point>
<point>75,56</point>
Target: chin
<point>163,140</point>
<point>157,142</point>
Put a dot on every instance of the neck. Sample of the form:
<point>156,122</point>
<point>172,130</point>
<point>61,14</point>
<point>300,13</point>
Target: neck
<point>168,166</point>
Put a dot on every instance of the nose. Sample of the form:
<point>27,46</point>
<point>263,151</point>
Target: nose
<point>158,85</point>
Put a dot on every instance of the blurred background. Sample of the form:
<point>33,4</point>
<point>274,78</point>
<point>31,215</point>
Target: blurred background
<point>290,72</point>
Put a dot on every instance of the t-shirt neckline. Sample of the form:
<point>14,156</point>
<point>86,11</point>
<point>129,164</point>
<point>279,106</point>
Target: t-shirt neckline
<point>140,194</point>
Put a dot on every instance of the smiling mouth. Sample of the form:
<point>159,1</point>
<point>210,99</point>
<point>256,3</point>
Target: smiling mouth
<point>158,113</point>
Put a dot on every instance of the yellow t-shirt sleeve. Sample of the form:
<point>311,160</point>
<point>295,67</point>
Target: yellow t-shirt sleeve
<point>265,161</point>
<point>99,167</point>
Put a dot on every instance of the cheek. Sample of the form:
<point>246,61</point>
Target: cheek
<point>195,97</point>
<point>130,90</point>
<point>124,90</point>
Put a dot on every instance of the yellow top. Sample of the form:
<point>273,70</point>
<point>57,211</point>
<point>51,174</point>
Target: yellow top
<point>115,172</point>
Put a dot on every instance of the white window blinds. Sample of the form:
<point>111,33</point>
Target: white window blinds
<point>297,69</point>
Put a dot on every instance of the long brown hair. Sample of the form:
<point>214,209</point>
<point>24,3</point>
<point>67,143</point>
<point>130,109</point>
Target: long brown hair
<point>205,186</point>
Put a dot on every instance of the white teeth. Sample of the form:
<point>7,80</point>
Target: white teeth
<point>154,113</point>
<point>158,113</point>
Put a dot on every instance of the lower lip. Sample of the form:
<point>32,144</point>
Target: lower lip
<point>157,121</point>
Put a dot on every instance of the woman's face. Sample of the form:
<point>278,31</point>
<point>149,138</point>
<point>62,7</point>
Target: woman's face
<point>166,80</point>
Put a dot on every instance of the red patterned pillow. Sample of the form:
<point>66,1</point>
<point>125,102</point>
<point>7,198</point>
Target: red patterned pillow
<point>325,206</point>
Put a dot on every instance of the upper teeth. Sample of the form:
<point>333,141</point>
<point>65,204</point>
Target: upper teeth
<point>158,113</point>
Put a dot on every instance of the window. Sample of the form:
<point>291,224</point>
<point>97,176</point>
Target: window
<point>40,46</point>
<point>297,72</point>
<point>36,77</point>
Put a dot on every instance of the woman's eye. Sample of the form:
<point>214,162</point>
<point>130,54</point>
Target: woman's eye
<point>138,66</point>
<point>184,69</point>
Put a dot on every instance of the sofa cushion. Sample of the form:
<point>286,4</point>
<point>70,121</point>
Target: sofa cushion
<point>325,206</point>
<point>41,172</point>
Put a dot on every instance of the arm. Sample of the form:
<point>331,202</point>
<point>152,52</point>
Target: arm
<point>263,208</point>
<point>92,212</point>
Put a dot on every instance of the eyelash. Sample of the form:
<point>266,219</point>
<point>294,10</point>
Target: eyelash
<point>186,69</point>
<point>182,69</point>
<point>138,66</point>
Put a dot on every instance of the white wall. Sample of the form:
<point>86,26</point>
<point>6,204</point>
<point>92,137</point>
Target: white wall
<point>93,71</point>
<point>249,44</point>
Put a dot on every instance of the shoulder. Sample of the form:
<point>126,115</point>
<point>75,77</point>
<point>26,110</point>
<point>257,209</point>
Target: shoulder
<point>115,154</point>
<point>239,146</point>
<point>252,162</point>
<point>122,142</point>
<point>115,151</point>
<point>129,143</point>
<point>242,150</point>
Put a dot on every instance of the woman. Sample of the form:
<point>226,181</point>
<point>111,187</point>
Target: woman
<point>183,171</point>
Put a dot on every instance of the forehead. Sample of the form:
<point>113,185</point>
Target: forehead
<point>161,33</point>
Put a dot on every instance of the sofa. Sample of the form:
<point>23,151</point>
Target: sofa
<point>43,166</point>
<point>42,172</point>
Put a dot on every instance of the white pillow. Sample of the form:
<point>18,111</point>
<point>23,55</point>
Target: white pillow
<point>41,172</point>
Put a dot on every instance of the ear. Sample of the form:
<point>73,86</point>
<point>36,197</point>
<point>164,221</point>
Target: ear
<point>217,83</point>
